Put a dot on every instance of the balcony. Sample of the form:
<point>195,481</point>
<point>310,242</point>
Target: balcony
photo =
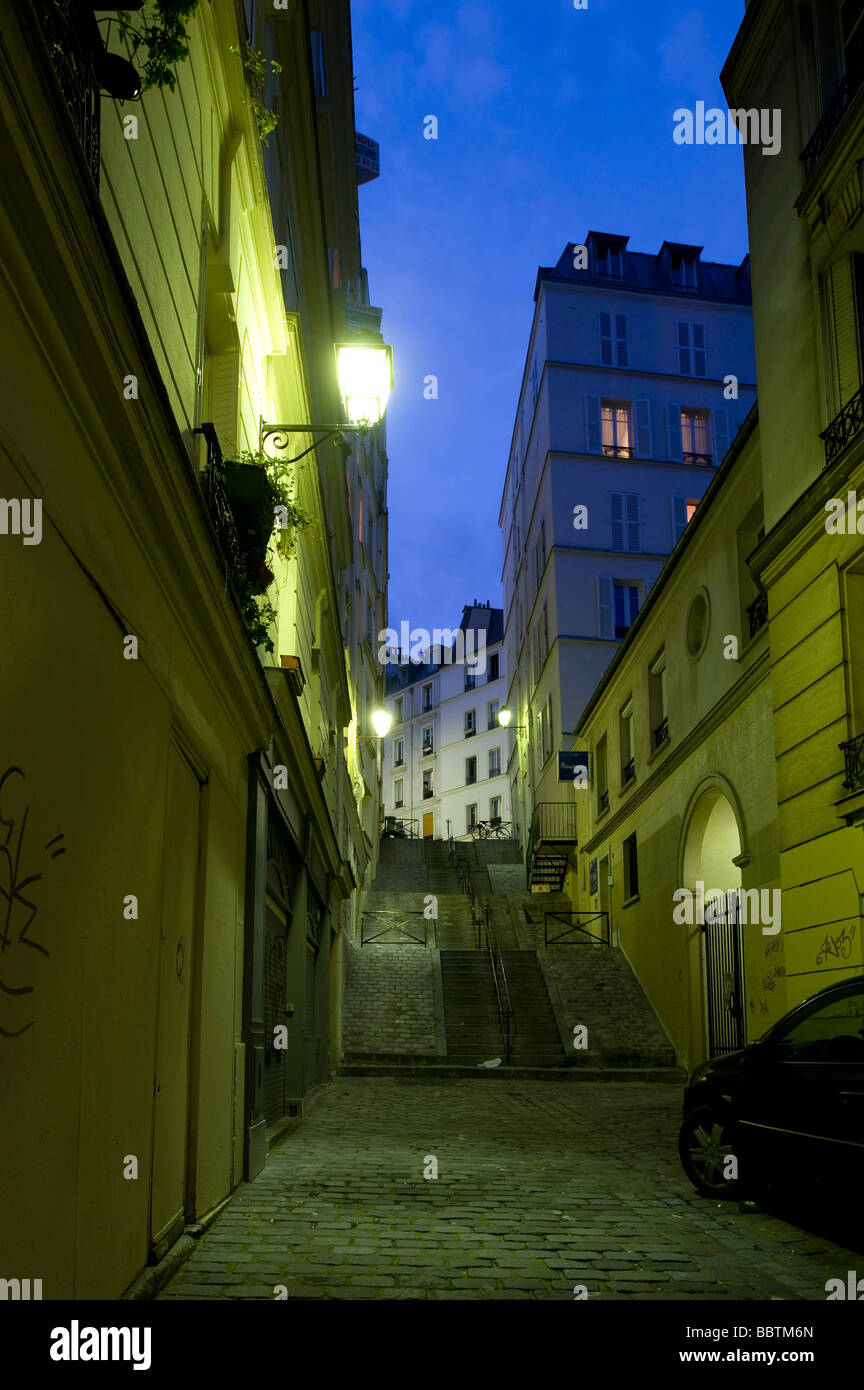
<point>853,753</point>
<point>628,772</point>
<point>73,60</point>
<point>428,750</point>
<point>618,451</point>
<point>830,122</point>
<point>469,733</point>
<point>428,793</point>
<point>217,501</point>
<point>553,831</point>
<point>704,459</point>
<point>846,426</point>
<point>757,614</point>
<point>603,803</point>
<point>661,734</point>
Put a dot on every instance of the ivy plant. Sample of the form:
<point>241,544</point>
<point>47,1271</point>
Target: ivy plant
<point>293,518</point>
<point>160,29</point>
<point>258,613</point>
<point>256,66</point>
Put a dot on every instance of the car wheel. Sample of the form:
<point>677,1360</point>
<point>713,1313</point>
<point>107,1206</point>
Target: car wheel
<point>704,1144</point>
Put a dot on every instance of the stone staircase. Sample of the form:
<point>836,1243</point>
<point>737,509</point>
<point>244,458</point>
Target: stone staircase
<point>535,1040</point>
<point>471,1019</point>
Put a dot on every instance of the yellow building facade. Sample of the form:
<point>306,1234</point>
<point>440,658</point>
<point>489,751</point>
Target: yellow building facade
<point>185,830</point>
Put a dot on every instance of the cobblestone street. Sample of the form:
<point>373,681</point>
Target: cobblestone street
<point>541,1186</point>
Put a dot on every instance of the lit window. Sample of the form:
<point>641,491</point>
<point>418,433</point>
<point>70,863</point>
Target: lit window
<point>615,424</point>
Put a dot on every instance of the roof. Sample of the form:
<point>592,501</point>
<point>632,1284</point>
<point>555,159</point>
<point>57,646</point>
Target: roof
<point>652,273</point>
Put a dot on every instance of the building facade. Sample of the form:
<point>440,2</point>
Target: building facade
<point>192,820</point>
<point>445,757</point>
<point>639,371</point>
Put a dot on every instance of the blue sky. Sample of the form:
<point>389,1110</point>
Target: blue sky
<point>551,121</point>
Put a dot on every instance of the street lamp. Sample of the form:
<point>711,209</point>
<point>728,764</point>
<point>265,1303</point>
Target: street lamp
<point>365,373</point>
<point>504,718</point>
<point>381,721</point>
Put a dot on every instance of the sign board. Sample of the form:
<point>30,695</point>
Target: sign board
<point>367,158</point>
<point>573,767</point>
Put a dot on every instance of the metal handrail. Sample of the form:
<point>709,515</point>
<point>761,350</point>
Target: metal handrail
<point>502,989</point>
<point>575,926</point>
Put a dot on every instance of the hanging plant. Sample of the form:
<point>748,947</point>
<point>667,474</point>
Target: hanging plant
<point>290,517</point>
<point>257,614</point>
<point>256,66</point>
<point>160,29</point>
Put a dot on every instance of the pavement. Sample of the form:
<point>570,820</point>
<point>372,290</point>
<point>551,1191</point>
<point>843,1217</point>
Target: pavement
<point>543,1191</point>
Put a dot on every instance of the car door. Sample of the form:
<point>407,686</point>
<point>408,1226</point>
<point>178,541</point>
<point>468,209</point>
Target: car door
<point>801,1102</point>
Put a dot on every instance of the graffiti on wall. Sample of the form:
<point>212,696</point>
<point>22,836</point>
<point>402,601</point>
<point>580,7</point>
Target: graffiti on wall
<point>837,946</point>
<point>18,909</point>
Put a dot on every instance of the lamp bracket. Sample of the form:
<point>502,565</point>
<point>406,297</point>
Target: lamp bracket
<point>278,434</point>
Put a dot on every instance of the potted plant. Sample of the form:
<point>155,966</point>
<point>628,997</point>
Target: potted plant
<point>257,618</point>
<point>160,29</point>
<point>261,492</point>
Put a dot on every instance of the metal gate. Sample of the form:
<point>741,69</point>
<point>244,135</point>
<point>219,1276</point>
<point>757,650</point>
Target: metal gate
<point>724,976</point>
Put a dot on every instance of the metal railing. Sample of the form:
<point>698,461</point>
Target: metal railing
<point>757,614</point>
<point>552,822</point>
<point>486,936</point>
<point>400,827</point>
<point>603,803</point>
<point>628,772</point>
<point>690,457</point>
<point>831,118</point>
<point>853,753</point>
<point>578,931</point>
<point>72,58</point>
<point>216,498</point>
<point>846,426</point>
<point>661,733</point>
<point>411,927</point>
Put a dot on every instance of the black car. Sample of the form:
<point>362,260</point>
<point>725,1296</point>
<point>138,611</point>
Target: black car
<point>787,1110</point>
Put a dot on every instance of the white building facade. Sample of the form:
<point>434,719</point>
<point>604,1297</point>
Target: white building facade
<point>445,757</point>
<point>640,369</point>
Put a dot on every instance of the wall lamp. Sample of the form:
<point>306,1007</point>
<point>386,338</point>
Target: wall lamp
<point>365,373</point>
<point>504,718</point>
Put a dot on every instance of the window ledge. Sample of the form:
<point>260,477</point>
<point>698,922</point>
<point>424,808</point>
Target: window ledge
<point>630,901</point>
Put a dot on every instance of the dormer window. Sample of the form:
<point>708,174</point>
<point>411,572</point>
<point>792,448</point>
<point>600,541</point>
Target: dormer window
<point>684,276</point>
<point>608,260</point>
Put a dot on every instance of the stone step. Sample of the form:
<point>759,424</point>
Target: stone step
<point>434,1067</point>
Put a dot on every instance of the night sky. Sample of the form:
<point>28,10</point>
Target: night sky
<point>551,122</point>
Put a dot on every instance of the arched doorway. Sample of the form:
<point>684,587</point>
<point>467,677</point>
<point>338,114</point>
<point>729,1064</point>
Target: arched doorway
<point>711,866</point>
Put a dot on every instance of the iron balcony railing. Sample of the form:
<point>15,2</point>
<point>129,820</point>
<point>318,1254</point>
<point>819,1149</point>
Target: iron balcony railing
<point>428,793</point>
<point>757,614</point>
<point>216,497</point>
<point>661,733</point>
<point>603,803</point>
<point>554,820</point>
<point>400,827</point>
<point>846,426</point>
<point>618,451</point>
<point>628,772</point>
<point>73,60</point>
<point>575,928</point>
<point>698,458</point>
<point>853,753</point>
<point>831,119</point>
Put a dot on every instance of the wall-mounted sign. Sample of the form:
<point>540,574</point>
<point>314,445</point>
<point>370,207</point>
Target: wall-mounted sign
<point>573,767</point>
<point>367,158</point>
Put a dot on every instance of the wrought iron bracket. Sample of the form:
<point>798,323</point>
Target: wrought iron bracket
<point>278,434</point>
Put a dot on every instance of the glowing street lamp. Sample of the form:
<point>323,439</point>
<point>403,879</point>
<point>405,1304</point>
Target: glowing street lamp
<point>504,717</point>
<point>381,721</point>
<point>365,380</point>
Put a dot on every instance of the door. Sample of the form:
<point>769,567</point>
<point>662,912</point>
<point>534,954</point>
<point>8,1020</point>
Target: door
<point>428,822</point>
<point>723,975</point>
<point>275,987</point>
<point>171,1082</point>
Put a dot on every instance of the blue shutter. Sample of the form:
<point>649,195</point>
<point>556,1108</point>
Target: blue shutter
<point>643,429</point>
<point>592,425</point>
<point>683,342</point>
<point>604,603</point>
<point>673,426</point>
<point>634,539</point>
<point>621,353</point>
<point>679,507</point>
<point>604,323</point>
<point>617,521</point>
<point>721,434</point>
<point>699,356</point>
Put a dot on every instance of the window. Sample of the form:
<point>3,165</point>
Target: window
<point>829,1033</point>
<point>545,622</point>
<point>626,599</point>
<point>657,701</point>
<point>428,745</point>
<point>470,723</point>
<point>684,276</point>
<point>602,777</point>
<point>614,346</point>
<point>691,349</point>
<point>493,667</point>
<point>695,436</point>
<point>542,546</point>
<point>470,817</point>
<point>470,771</point>
<point>625,743</point>
<point>615,426</point>
<point>398,789</point>
<point>494,808</point>
<point>549,726</point>
<point>318,74</point>
<point>470,679</point>
<point>494,762</point>
<point>398,752</point>
<point>397,710</point>
<point>682,512</point>
<point>428,784</point>
<point>631,868</point>
<point>427,696</point>
<point>492,714</point>
<point>626,526</point>
<point>608,260</point>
